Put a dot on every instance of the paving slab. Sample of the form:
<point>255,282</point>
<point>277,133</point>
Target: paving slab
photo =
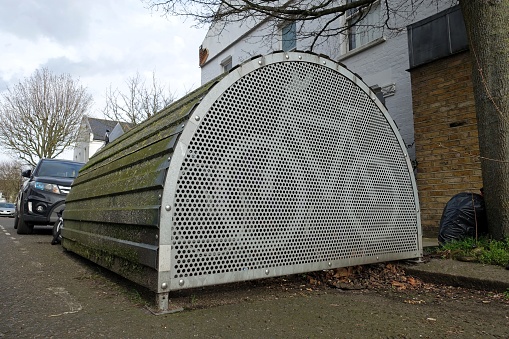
<point>461,274</point>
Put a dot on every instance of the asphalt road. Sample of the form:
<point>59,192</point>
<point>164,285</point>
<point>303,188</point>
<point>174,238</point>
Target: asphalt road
<point>47,292</point>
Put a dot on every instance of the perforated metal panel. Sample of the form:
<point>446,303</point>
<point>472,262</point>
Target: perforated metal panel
<point>290,165</point>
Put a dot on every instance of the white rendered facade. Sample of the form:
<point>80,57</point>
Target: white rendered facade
<point>92,137</point>
<point>383,62</point>
<point>84,150</point>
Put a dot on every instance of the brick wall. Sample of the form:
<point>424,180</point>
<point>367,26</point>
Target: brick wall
<point>446,140</point>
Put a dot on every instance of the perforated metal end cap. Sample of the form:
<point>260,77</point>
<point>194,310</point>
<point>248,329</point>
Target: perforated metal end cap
<point>293,164</point>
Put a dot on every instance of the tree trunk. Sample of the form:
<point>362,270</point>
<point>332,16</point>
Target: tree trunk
<point>487,23</point>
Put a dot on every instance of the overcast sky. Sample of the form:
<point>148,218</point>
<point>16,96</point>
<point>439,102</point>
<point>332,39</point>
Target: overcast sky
<point>99,42</point>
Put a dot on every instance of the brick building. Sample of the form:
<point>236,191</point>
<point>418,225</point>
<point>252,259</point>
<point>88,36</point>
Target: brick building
<point>445,124</point>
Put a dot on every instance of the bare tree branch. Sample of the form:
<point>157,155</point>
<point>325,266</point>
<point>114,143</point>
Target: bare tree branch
<point>139,102</point>
<point>330,18</point>
<point>206,12</point>
<point>40,116</point>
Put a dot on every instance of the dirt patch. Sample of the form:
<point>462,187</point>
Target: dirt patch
<point>388,279</point>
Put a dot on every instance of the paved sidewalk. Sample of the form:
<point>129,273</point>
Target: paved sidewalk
<point>50,293</point>
<point>461,274</point>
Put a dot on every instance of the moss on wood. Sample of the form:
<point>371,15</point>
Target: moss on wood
<point>140,274</point>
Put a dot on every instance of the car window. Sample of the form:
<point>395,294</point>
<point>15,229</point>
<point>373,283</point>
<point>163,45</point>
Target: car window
<point>4,205</point>
<point>58,169</point>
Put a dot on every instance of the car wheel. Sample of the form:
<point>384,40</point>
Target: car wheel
<point>57,229</point>
<point>23,227</point>
<point>16,220</point>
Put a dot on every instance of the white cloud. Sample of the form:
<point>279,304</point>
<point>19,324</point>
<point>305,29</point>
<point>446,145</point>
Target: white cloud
<point>99,42</point>
<point>63,21</point>
<point>96,41</point>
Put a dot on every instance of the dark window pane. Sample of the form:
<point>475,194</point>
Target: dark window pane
<point>289,37</point>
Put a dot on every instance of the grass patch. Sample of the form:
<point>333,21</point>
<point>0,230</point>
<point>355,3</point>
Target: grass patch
<point>484,250</point>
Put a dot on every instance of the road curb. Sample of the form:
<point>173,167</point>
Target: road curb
<point>461,274</point>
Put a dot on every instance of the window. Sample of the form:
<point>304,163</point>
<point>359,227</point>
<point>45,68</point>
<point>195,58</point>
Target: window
<point>58,169</point>
<point>227,64</point>
<point>364,25</point>
<point>289,37</point>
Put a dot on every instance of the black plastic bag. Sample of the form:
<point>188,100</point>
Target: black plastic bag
<point>462,215</point>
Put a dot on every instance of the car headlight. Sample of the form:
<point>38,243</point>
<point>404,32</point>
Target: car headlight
<point>47,187</point>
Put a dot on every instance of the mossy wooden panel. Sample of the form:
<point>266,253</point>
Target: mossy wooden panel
<point>129,232</point>
<point>141,176</point>
<point>158,126</point>
<point>112,213</point>
<point>146,215</point>
<point>138,273</point>
<point>132,200</point>
<point>132,251</point>
<point>160,149</point>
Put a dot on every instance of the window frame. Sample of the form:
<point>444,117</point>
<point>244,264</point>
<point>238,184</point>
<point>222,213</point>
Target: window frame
<point>374,33</point>
<point>227,64</point>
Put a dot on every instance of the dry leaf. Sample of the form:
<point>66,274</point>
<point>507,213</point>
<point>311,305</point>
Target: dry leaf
<point>398,284</point>
<point>412,281</point>
<point>343,272</point>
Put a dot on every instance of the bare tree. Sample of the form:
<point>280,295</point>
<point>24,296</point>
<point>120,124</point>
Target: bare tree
<point>324,14</point>
<point>486,23</point>
<point>139,102</point>
<point>213,11</point>
<point>10,179</point>
<point>41,115</point>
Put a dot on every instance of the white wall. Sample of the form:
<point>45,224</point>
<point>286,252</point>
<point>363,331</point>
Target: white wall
<point>238,40</point>
<point>79,152</point>
<point>245,40</point>
<point>84,150</point>
<point>384,64</point>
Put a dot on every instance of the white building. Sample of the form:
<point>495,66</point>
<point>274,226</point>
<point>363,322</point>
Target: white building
<point>93,135</point>
<point>380,57</point>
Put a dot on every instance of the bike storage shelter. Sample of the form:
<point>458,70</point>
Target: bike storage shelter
<point>287,164</point>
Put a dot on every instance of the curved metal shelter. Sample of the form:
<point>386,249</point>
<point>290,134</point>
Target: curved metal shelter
<point>289,163</point>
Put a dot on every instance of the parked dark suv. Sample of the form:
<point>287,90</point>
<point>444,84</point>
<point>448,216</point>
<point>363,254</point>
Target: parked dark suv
<point>43,195</point>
